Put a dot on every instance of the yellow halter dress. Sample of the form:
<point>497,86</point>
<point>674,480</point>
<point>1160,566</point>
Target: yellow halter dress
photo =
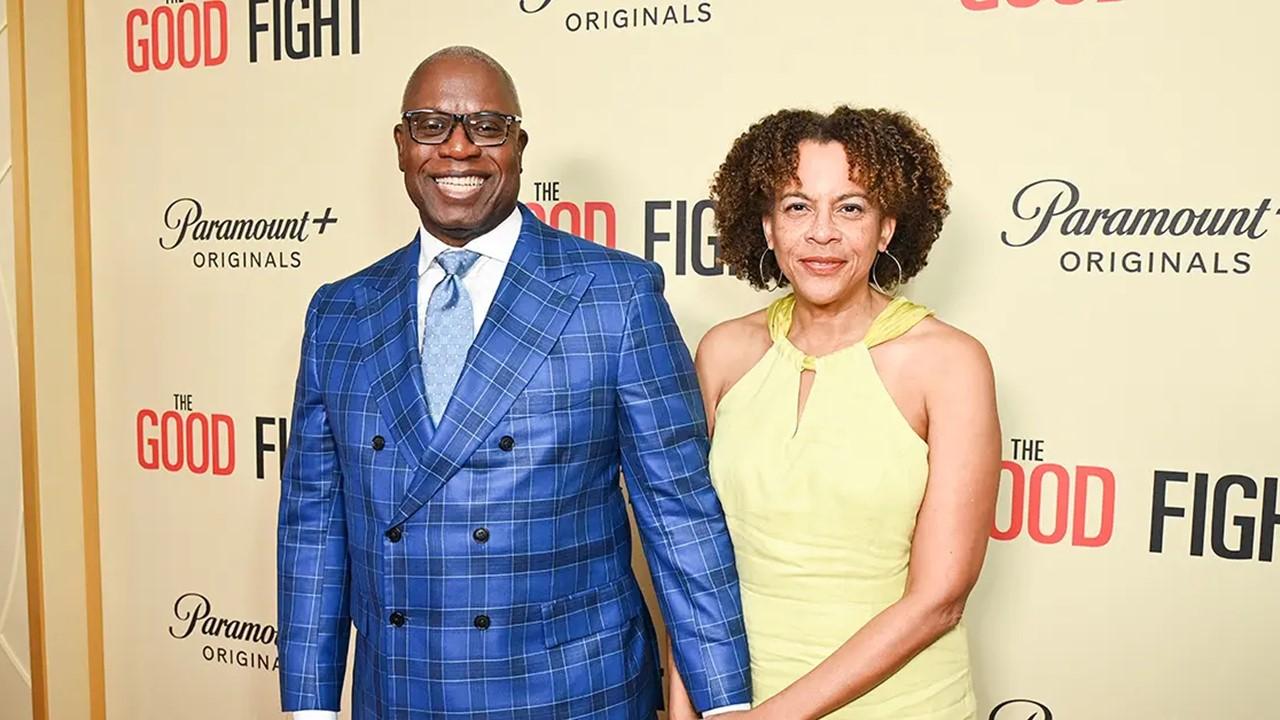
<point>821,510</point>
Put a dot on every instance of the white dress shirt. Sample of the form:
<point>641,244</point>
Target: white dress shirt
<point>481,281</point>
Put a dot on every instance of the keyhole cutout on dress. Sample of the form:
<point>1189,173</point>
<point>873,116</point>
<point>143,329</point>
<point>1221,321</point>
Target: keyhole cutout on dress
<point>807,378</point>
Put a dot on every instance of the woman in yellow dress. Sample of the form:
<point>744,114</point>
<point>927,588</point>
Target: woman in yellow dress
<point>855,442</point>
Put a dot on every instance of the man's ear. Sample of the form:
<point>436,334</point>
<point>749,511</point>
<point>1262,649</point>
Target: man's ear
<point>398,133</point>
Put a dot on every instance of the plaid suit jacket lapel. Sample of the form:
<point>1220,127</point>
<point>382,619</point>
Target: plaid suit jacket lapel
<point>389,340</point>
<point>535,300</point>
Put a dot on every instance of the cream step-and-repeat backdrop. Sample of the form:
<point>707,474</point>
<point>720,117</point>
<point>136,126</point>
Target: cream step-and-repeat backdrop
<point>1113,242</point>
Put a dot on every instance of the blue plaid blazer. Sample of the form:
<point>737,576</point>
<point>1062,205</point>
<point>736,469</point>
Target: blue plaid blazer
<point>486,563</point>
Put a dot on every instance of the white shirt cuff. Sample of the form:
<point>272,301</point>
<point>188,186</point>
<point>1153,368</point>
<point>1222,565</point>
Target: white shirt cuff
<point>726,709</point>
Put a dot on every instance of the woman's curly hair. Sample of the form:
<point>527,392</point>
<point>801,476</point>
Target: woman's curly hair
<point>891,156</point>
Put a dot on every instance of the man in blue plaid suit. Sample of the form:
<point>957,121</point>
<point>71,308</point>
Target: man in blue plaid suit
<point>464,407</point>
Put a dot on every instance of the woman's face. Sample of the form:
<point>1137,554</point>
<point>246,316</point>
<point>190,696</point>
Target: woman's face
<point>824,229</point>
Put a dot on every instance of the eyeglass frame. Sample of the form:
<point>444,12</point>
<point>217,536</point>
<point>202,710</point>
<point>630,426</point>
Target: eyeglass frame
<point>455,118</point>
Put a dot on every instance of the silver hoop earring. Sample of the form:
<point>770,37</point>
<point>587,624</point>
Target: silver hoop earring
<point>764,280</point>
<point>875,284</point>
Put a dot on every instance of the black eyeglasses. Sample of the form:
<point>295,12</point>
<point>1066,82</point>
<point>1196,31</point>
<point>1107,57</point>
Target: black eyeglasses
<point>484,129</point>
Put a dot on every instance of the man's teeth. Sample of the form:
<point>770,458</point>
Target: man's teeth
<point>469,181</point>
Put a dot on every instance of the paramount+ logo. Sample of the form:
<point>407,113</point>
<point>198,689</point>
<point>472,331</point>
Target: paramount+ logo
<point>189,34</point>
<point>228,641</point>
<point>651,15</point>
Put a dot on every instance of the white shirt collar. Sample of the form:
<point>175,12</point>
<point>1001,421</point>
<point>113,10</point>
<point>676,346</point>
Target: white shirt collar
<point>497,244</point>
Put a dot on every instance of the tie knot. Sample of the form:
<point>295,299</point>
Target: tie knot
<point>457,262</point>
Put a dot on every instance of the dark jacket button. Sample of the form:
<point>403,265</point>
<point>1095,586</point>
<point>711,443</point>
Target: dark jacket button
<point>397,618</point>
<point>394,534</point>
<point>482,622</point>
<point>481,535</point>
<point>506,443</point>
<point>379,442</point>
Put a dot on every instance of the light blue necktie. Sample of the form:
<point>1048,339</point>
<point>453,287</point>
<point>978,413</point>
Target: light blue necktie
<point>448,331</point>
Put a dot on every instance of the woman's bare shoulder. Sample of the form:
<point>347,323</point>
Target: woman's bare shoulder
<point>954,344</point>
<point>730,349</point>
<point>946,353</point>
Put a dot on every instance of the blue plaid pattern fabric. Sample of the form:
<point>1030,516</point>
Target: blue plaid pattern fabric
<point>448,330</point>
<point>485,560</point>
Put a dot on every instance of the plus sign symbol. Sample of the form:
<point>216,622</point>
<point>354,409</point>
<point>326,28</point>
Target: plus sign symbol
<point>325,221</point>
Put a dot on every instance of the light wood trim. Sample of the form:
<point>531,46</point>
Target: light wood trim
<point>84,343</point>
<point>26,358</point>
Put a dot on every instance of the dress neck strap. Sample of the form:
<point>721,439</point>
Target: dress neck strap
<point>895,320</point>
